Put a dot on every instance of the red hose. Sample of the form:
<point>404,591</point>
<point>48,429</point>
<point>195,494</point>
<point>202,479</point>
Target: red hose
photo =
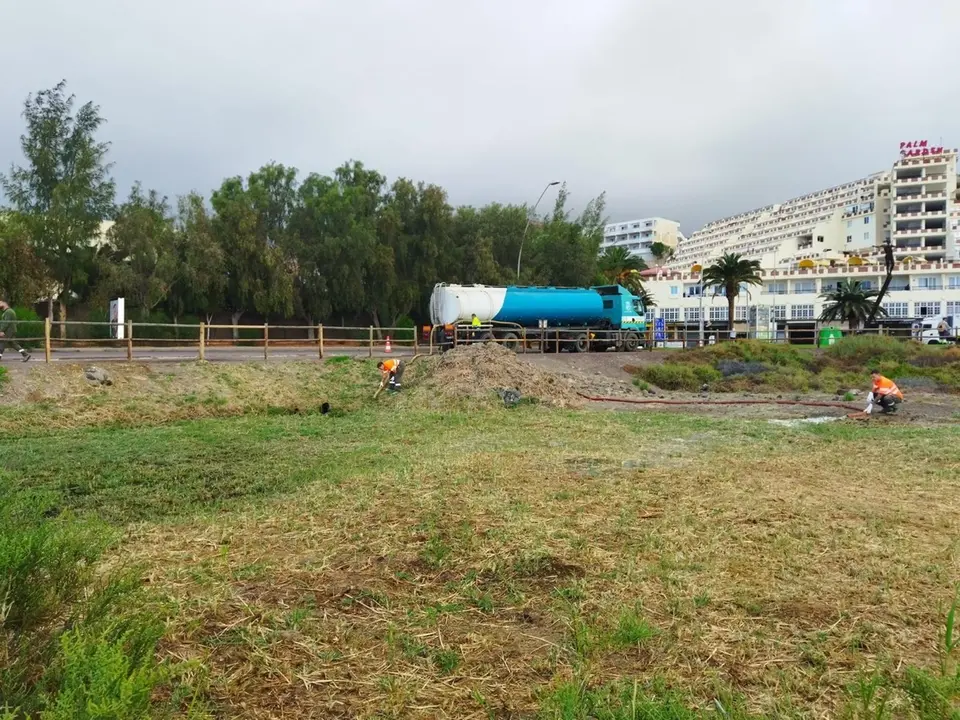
<point>660,401</point>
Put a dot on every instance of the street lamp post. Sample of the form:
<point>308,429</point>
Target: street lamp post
<point>527,226</point>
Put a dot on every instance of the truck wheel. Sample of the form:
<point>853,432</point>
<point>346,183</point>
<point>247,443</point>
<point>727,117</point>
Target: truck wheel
<point>580,343</point>
<point>510,341</point>
<point>631,341</point>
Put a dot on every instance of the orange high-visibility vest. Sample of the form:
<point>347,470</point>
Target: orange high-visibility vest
<point>885,386</point>
<point>390,365</point>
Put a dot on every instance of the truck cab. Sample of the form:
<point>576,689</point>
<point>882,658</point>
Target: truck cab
<point>622,309</point>
<point>938,330</point>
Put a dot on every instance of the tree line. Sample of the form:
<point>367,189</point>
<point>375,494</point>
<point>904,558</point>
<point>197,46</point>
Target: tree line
<point>339,248</point>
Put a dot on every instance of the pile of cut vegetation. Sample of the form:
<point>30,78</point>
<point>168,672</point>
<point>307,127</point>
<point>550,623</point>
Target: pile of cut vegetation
<point>753,366</point>
<point>478,371</point>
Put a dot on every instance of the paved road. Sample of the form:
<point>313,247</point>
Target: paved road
<point>89,355</point>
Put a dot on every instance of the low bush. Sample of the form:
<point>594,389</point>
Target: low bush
<point>74,644</point>
<point>747,351</point>
<point>676,376</point>
<point>866,350</point>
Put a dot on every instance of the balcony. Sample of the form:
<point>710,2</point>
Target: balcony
<point>913,180</point>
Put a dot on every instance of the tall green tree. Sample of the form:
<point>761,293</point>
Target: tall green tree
<point>258,276</point>
<point>22,276</point>
<point>851,303</point>
<point>728,274</point>
<point>140,257</point>
<point>201,278</point>
<point>565,251</point>
<point>63,191</point>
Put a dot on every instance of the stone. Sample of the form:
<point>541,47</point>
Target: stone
<point>97,376</point>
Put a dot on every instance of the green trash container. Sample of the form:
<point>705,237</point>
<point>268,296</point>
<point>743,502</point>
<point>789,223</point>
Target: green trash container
<point>829,335</point>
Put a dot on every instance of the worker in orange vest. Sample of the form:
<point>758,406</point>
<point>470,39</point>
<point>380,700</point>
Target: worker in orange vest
<point>390,373</point>
<point>884,392</point>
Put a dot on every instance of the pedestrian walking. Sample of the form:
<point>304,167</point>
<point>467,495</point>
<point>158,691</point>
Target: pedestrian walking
<point>8,331</point>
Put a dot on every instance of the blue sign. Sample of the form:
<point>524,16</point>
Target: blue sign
<point>659,330</point>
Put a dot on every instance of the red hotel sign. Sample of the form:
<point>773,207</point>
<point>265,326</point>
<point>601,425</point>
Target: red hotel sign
<point>916,148</point>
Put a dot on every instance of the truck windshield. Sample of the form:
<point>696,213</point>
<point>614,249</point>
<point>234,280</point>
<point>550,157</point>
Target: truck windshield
<point>638,306</point>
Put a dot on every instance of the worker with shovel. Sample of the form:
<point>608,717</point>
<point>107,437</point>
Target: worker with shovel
<point>391,371</point>
<point>884,392</point>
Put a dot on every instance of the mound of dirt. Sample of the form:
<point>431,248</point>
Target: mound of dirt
<point>478,371</point>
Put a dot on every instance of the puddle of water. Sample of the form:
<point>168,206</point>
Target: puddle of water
<point>797,422</point>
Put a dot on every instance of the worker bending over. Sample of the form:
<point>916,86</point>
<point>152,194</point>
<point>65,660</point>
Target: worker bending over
<point>390,373</point>
<point>884,392</point>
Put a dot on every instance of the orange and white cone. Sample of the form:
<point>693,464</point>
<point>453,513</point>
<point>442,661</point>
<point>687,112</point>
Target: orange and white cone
<point>388,348</point>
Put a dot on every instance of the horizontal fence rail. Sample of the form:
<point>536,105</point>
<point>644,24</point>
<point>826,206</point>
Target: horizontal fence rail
<point>371,341</point>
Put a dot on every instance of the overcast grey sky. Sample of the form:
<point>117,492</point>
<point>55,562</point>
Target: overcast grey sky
<point>689,109</point>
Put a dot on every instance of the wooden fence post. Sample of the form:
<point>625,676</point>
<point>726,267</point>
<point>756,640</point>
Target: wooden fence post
<point>46,339</point>
<point>266,339</point>
<point>416,341</point>
<point>320,338</point>
<point>203,342</point>
<point>370,343</point>
<point>430,339</point>
<point>129,340</point>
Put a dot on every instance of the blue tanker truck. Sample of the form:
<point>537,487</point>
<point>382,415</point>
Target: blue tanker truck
<point>584,319</point>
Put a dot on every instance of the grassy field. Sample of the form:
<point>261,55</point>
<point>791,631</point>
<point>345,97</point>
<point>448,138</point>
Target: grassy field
<point>389,561</point>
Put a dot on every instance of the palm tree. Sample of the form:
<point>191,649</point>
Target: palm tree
<point>851,303</point>
<point>617,265</point>
<point>729,273</point>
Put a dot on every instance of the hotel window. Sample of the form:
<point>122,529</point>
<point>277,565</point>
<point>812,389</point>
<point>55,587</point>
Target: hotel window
<point>926,309</point>
<point>953,308</point>
<point>953,282</point>
<point>693,314</point>
<point>670,314</point>
<point>849,238</point>
<point>805,287</point>
<point>740,313</point>
<point>718,313</point>
<point>866,220</point>
<point>897,309</point>
<point>928,283</point>
<point>801,312</point>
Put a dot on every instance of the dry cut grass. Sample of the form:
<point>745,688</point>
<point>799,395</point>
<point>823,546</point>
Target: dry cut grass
<point>491,561</point>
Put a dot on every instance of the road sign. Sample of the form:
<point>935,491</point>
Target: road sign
<point>659,329</point>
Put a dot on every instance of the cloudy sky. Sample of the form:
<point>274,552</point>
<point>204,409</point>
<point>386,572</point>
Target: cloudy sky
<point>688,109</point>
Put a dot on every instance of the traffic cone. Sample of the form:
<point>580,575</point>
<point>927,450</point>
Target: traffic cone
<point>388,348</point>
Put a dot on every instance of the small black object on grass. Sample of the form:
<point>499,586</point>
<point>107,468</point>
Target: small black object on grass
<point>325,408</point>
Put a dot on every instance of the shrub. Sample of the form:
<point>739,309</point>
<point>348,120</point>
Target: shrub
<point>865,350</point>
<point>675,376</point>
<point>405,328</point>
<point>751,351</point>
<point>73,644</point>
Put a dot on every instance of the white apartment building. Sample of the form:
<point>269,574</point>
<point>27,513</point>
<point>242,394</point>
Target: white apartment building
<point>638,235</point>
<point>788,302</point>
<point>808,244</point>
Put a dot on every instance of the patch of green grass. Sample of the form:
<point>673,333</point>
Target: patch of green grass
<point>579,700</point>
<point>446,661</point>
<point>632,629</point>
<point>4,378</point>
